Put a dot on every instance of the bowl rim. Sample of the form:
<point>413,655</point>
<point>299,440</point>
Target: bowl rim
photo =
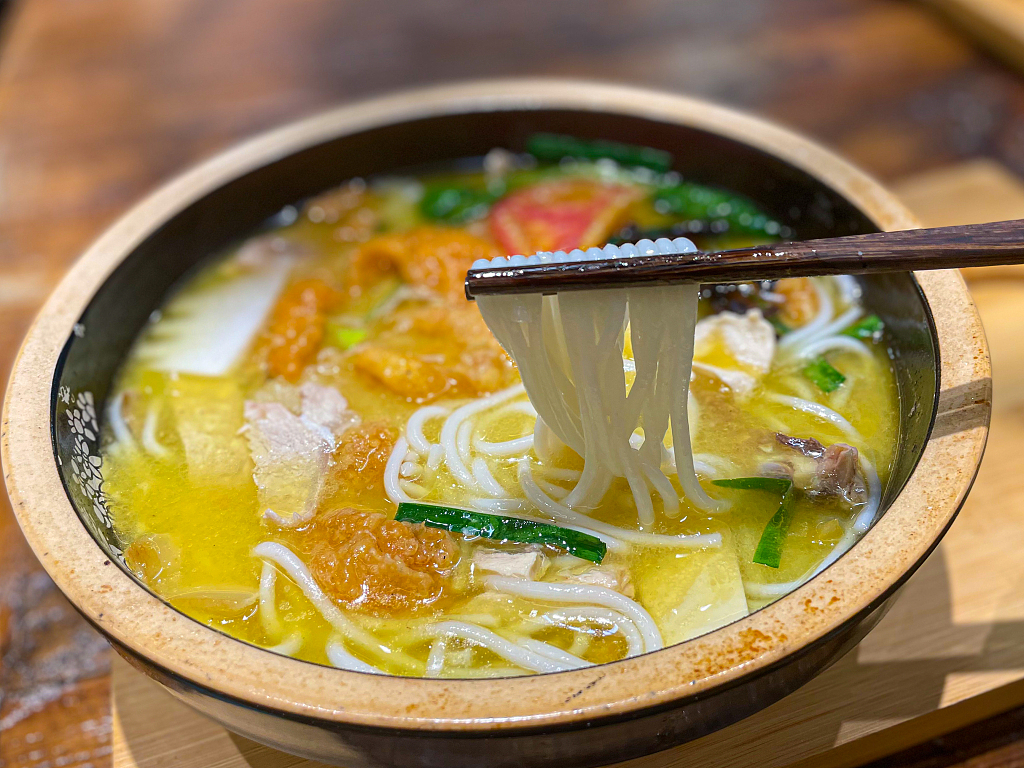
<point>144,625</point>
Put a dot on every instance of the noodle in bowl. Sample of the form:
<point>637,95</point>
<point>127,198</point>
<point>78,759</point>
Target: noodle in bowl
<point>499,454</point>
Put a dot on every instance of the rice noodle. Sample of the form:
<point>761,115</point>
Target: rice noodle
<point>821,411</point>
<point>552,490</point>
<point>506,649</point>
<point>288,647</point>
<point>436,659</point>
<point>583,593</point>
<point>149,441</point>
<point>848,287</point>
<point>850,537</point>
<point>567,517</point>
<point>290,563</point>
<point>115,416</point>
<point>462,440</point>
<point>414,427</point>
<point>449,432</point>
<point>415,490</point>
<point>814,327</point>
<point>268,601</point>
<point>829,343</point>
<point>392,482</point>
<point>518,446</point>
<point>557,473</point>
<point>342,659</point>
<point>569,349</point>
<point>434,457</point>
<point>484,478</point>
<point>498,505</point>
<point>554,653</point>
<point>568,618</point>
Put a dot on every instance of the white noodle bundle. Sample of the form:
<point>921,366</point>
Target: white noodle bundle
<point>569,349</point>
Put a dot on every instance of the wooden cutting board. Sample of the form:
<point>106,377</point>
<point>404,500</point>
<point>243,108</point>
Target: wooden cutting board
<point>996,24</point>
<point>949,653</point>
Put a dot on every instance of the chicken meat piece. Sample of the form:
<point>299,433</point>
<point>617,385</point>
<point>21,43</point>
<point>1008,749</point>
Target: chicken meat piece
<point>838,474</point>
<point>735,349</point>
<point>832,472</point>
<point>616,577</point>
<point>327,408</point>
<point>291,452</point>
<point>528,563</point>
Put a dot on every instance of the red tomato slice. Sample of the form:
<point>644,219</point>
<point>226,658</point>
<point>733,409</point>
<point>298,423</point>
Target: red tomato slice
<point>560,215</point>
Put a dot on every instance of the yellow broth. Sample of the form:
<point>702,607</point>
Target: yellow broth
<point>190,530</point>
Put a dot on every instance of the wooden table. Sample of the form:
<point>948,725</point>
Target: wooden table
<point>100,100</point>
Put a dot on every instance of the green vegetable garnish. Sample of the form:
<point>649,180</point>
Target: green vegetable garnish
<point>870,327</point>
<point>343,336</point>
<point>455,204</point>
<point>825,375</point>
<point>464,521</point>
<point>553,147</point>
<point>695,201</point>
<point>773,484</point>
<point>769,548</point>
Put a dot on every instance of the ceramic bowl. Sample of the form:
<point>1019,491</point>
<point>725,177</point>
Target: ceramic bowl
<point>587,717</point>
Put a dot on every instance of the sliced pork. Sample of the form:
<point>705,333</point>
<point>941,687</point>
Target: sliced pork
<point>291,452</point>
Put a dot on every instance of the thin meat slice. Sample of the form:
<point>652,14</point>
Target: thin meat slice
<point>808,446</point>
<point>616,577</point>
<point>528,563</point>
<point>736,349</point>
<point>824,472</point>
<point>327,408</point>
<point>291,453</point>
<point>838,474</point>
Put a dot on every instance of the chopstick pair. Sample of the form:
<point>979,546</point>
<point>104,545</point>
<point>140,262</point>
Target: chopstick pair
<point>663,263</point>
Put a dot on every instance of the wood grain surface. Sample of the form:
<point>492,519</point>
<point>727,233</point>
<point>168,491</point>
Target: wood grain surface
<point>100,100</point>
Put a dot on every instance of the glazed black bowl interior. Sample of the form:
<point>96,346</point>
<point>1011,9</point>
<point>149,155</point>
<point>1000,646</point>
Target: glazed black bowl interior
<point>139,285</point>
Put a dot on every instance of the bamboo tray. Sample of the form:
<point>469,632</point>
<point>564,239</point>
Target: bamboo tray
<point>949,653</point>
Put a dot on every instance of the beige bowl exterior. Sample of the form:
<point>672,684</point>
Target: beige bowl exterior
<point>148,628</point>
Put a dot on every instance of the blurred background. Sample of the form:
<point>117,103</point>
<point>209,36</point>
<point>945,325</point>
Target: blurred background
<point>102,100</point>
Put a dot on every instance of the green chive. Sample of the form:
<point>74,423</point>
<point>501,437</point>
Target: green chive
<point>698,202</point>
<point>454,204</point>
<point>822,373</point>
<point>769,548</point>
<point>552,147</point>
<point>773,484</point>
<point>870,327</point>
<point>514,529</point>
<point>343,336</point>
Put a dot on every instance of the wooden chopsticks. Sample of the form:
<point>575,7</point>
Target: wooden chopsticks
<point>975,245</point>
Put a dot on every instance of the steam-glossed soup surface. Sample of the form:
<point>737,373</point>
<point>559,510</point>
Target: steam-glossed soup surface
<point>285,399</point>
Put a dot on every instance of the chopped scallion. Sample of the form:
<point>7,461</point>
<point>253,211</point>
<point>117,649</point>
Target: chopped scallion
<point>553,147</point>
<point>772,484</point>
<point>343,336</point>
<point>825,375</point>
<point>769,548</point>
<point>514,529</point>
<point>454,204</point>
<point>870,327</point>
<point>698,202</point>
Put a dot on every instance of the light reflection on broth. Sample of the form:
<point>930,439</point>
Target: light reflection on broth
<point>269,419</point>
